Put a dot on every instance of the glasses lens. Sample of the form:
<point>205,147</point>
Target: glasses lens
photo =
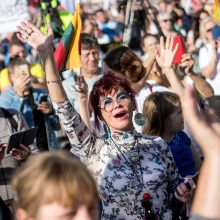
<point>107,102</point>
<point>123,97</point>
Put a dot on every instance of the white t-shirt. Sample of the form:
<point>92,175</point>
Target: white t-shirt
<point>205,55</point>
<point>142,95</point>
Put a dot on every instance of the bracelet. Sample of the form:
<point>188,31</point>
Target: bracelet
<point>54,81</point>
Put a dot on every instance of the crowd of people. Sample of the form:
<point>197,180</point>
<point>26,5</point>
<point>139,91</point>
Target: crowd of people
<point>135,121</point>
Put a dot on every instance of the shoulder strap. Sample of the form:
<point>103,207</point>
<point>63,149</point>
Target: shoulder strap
<point>9,116</point>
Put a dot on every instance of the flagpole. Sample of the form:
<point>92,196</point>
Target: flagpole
<point>129,18</point>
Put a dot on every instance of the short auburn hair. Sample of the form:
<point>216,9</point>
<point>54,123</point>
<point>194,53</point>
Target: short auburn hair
<point>104,86</point>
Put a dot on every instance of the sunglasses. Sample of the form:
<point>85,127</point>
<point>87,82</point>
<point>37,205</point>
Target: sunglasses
<point>208,30</point>
<point>166,20</point>
<point>107,103</point>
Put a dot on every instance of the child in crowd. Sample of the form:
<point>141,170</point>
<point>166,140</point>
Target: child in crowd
<point>55,185</point>
<point>163,115</point>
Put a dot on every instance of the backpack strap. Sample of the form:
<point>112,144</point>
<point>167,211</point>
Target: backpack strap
<point>9,116</point>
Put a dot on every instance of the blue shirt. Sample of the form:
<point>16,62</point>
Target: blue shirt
<point>182,154</point>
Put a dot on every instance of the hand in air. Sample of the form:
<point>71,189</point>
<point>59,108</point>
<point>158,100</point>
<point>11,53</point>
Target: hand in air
<point>81,88</point>
<point>187,63</point>
<point>29,33</point>
<point>202,123</point>
<point>167,52</point>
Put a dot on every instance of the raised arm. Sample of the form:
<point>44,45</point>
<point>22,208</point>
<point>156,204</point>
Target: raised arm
<point>206,130</point>
<point>165,61</point>
<point>202,86</point>
<point>43,43</point>
<point>79,135</point>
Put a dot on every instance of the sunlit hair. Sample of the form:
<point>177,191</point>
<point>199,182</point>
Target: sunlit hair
<point>53,177</point>
<point>104,86</point>
<point>124,61</point>
<point>157,108</point>
<point>16,61</point>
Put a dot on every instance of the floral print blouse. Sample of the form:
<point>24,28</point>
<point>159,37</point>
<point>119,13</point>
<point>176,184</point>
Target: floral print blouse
<point>125,165</point>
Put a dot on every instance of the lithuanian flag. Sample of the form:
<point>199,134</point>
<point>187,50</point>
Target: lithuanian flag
<point>67,53</point>
<point>217,10</point>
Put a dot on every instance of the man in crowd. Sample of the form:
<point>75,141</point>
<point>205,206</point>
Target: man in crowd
<point>89,67</point>
<point>32,103</point>
<point>11,121</point>
<point>17,49</point>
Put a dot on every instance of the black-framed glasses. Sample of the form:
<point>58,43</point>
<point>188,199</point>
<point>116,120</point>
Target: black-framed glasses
<point>107,103</point>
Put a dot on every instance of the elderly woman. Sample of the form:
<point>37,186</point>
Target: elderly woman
<point>125,164</point>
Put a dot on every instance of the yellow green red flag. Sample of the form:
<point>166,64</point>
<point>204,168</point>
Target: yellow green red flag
<point>217,10</point>
<point>67,53</point>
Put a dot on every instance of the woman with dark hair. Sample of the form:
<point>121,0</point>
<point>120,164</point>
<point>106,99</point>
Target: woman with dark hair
<point>125,164</point>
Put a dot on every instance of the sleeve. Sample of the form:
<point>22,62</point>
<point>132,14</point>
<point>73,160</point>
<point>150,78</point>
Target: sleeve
<point>174,177</point>
<point>80,137</point>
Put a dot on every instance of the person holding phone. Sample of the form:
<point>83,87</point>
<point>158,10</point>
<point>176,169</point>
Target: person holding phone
<point>11,121</point>
<point>32,103</point>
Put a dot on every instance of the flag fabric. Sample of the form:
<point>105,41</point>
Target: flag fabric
<point>67,53</point>
<point>217,10</point>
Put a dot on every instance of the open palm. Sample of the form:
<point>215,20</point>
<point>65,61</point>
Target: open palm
<point>167,52</point>
<point>29,33</point>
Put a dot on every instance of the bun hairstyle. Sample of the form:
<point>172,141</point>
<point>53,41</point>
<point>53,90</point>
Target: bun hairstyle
<point>125,62</point>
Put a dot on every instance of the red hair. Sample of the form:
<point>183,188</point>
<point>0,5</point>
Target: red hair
<point>104,86</point>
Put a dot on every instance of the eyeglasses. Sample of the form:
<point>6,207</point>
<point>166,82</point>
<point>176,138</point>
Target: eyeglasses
<point>107,103</point>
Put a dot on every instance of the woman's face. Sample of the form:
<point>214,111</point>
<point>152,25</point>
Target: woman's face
<point>208,28</point>
<point>56,211</point>
<point>117,110</point>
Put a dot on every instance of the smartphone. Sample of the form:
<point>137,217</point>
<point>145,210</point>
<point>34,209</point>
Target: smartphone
<point>180,51</point>
<point>216,32</point>
<point>22,70</point>
<point>22,137</point>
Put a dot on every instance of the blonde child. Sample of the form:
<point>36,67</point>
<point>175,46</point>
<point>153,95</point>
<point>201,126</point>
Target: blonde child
<point>55,185</point>
<point>163,117</point>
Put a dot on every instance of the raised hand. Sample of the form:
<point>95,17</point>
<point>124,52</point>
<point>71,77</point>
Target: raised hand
<point>187,63</point>
<point>204,125</point>
<point>167,52</point>
<point>29,33</point>
<point>81,88</point>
